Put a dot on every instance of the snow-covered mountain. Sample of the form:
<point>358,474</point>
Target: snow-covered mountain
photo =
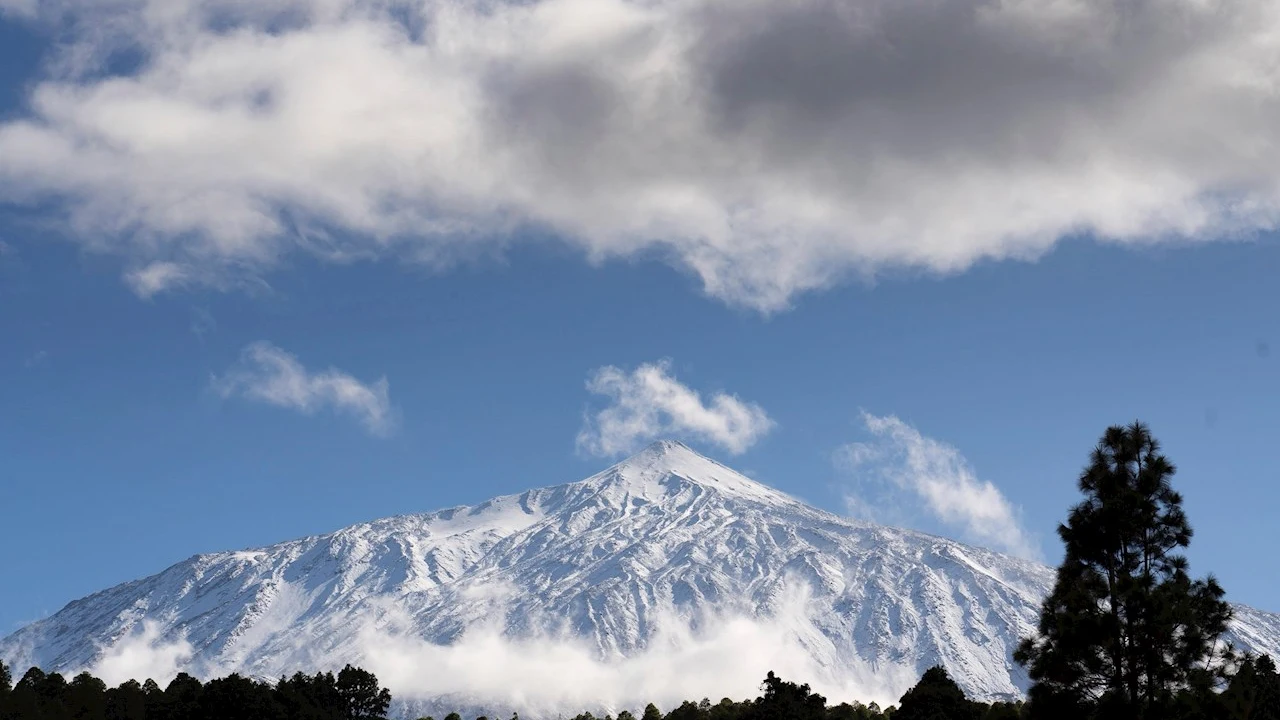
<point>665,574</point>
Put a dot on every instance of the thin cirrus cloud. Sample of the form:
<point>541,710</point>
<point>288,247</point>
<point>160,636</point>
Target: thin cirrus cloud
<point>900,468</point>
<point>19,8</point>
<point>767,147</point>
<point>267,374</point>
<point>649,403</point>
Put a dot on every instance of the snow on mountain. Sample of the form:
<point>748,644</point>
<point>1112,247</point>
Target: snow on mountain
<point>667,576</point>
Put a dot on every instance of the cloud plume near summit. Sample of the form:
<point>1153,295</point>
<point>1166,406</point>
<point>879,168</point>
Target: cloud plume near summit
<point>649,403</point>
<point>767,147</point>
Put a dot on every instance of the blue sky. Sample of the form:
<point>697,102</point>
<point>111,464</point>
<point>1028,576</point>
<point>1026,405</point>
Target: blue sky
<point>138,428</point>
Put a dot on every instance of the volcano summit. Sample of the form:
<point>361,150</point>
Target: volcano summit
<point>668,576</point>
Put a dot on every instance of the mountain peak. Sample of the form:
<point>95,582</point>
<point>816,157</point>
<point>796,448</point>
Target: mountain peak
<point>665,449</point>
<point>665,459</point>
<point>669,457</point>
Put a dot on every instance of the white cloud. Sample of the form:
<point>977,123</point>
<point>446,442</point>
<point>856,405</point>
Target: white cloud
<point>141,655</point>
<point>649,403</point>
<point>268,374</point>
<point>901,467</point>
<point>546,675</point>
<point>157,277</point>
<point>202,322</point>
<point>767,146</point>
<point>550,673</point>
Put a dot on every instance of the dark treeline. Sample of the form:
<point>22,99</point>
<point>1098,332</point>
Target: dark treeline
<point>355,694</point>
<point>352,694</point>
<point>935,697</point>
<point>1125,634</point>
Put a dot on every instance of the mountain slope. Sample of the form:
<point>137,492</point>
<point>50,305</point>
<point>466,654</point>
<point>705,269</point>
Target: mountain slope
<point>615,568</point>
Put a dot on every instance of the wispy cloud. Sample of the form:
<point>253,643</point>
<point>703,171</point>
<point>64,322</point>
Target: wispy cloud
<point>19,8</point>
<point>647,403</point>
<point>902,467</point>
<point>11,262</point>
<point>202,322</point>
<point>937,133</point>
<point>157,277</point>
<point>266,373</point>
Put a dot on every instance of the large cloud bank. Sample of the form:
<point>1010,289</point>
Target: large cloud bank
<point>544,675</point>
<point>766,146</point>
<point>547,673</point>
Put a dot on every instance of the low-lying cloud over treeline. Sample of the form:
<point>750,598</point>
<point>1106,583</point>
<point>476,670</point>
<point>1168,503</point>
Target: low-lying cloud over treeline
<point>542,673</point>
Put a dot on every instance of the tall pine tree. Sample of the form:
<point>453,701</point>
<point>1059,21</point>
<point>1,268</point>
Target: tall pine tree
<point>1125,627</point>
